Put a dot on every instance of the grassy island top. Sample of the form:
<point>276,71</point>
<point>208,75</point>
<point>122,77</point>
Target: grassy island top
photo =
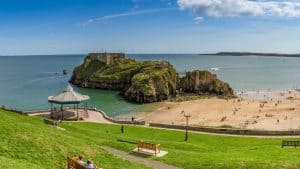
<point>145,81</point>
<point>28,143</point>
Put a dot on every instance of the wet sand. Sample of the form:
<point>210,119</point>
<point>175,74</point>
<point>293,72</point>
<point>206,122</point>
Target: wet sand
<point>263,110</point>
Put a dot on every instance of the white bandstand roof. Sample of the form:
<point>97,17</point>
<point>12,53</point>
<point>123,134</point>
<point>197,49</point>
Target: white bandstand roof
<point>68,96</point>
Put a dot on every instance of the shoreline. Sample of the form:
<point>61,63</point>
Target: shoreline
<point>98,116</point>
<point>275,110</point>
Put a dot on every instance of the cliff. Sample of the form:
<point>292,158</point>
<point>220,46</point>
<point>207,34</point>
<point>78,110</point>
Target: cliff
<point>204,82</point>
<point>144,81</point>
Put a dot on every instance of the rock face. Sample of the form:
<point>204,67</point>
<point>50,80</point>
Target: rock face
<point>204,82</point>
<point>154,81</point>
<point>144,81</point>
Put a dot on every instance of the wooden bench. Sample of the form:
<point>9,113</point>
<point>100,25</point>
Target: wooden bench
<point>74,164</point>
<point>149,146</point>
<point>51,122</point>
<point>290,143</point>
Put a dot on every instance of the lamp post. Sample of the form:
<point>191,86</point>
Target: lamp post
<point>187,116</point>
<point>122,128</point>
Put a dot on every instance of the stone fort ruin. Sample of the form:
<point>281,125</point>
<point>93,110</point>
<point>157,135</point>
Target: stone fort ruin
<point>106,58</point>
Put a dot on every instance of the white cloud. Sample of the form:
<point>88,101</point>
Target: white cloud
<point>131,13</point>
<point>239,8</point>
<point>198,19</point>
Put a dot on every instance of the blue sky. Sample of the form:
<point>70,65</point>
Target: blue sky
<point>148,26</point>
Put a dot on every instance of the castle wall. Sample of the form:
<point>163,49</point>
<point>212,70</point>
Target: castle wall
<point>107,58</point>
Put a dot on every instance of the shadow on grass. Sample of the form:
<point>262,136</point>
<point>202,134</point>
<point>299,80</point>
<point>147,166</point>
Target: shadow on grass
<point>125,141</point>
<point>137,154</point>
<point>142,155</point>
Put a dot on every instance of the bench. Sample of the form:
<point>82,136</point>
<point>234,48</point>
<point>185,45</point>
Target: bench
<point>74,164</point>
<point>51,122</point>
<point>290,143</point>
<point>149,146</point>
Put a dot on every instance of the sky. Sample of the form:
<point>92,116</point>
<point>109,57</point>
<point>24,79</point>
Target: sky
<point>148,26</point>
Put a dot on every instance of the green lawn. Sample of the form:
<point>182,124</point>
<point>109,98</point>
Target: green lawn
<point>27,143</point>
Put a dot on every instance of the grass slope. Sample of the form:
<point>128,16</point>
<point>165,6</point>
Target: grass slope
<point>202,151</point>
<point>25,142</point>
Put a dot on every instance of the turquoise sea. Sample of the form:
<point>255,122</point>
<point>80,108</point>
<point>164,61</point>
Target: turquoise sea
<point>27,81</point>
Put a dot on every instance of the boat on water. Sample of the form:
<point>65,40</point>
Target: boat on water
<point>215,69</point>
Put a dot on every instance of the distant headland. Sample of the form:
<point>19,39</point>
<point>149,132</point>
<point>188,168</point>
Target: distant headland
<point>253,54</point>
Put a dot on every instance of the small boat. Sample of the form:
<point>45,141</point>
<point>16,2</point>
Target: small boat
<point>215,69</point>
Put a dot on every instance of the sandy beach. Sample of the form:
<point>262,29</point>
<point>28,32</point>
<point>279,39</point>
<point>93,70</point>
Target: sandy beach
<point>263,110</point>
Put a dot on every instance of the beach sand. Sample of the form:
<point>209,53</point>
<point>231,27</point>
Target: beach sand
<point>263,110</point>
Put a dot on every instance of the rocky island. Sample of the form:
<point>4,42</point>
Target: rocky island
<point>144,81</point>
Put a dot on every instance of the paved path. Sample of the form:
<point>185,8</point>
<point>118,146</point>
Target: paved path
<point>93,116</point>
<point>96,117</point>
<point>132,158</point>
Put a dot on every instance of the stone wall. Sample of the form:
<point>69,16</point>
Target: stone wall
<point>118,121</point>
<point>106,58</point>
<point>231,131</point>
<point>32,113</point>
<point>12,110</point>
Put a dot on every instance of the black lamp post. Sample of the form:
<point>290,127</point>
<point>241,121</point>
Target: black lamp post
<point>122,128</point>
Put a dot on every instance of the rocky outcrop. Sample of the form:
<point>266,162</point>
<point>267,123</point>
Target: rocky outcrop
<point>145,81</point>
<point>142,82</point>
<point>204,82</point>
<point>153,83</point>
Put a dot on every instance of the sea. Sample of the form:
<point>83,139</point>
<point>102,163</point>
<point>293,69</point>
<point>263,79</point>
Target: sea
<point>27,81</point>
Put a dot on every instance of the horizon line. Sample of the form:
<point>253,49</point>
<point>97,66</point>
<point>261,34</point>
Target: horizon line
<point>157,53</point>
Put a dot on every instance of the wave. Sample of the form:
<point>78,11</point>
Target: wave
<point>237,67</point>
<point>215,69</point>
